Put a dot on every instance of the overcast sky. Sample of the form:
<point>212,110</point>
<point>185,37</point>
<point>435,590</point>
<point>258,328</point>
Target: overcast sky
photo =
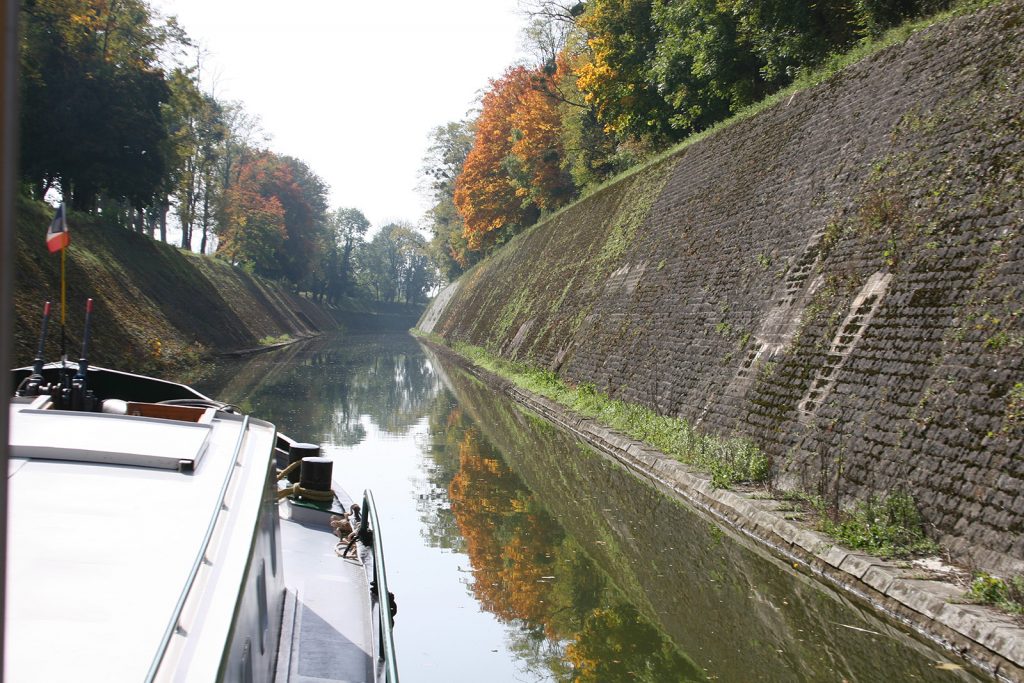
<point>353,87</point>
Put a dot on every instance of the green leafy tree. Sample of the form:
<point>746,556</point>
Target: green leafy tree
<point>303,195</point>
<point>198,135</point>
<point>395,266</point>
<point>875,16</point>
<point>92,95</point>
<point>419,273</point>
<point>714,58</point>
<point>622,40</point>
<point>347,227</point>
<point>442,164</point>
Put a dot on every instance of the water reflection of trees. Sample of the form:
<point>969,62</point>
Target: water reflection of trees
<point>331,386</point>
<point>439,529</point>
<point>570,623</point>
<point>739,613</point>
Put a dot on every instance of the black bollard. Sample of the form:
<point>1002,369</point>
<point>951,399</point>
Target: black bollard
<point>298,451</point>
<point>316,474</point>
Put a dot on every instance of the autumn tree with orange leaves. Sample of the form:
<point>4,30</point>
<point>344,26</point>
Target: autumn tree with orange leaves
<point>514,170</point>
<point>275,217</point>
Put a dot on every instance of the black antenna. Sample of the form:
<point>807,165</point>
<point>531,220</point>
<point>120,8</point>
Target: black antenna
<point>36,378</point>
<point>81,398</point>
<point>83,362</point>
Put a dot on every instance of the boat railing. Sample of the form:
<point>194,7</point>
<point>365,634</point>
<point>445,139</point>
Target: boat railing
<point>370,533</point>
<point>174,624</point>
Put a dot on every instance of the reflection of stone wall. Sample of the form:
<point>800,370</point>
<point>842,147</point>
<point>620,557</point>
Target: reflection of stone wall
<point>740,614</point>
<point>839,277</point>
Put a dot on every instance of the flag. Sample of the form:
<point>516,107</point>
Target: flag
<point>57,236</point>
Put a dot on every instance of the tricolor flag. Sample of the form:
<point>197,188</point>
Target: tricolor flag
<point>57,236</point>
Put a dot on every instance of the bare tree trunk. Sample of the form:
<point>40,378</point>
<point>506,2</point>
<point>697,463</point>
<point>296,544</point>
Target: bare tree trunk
<point>206,221</point>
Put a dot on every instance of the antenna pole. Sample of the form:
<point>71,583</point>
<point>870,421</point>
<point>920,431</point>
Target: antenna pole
<point>83,362</point>
<point>81,398</point>
<point>36,378</point>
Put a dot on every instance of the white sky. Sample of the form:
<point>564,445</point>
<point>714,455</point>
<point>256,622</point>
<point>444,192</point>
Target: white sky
<point>353,87</point>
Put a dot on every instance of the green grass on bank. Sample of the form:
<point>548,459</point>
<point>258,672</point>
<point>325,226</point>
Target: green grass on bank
<point>279,339</point>
<point>886,527</point>
<point>728,460</point>
<point>889,527</point>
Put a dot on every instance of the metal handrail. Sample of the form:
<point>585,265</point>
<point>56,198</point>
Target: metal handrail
<point>387,643</point>
<point>172,625</point>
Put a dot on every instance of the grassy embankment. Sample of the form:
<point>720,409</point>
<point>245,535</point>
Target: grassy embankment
<point>158,309</point>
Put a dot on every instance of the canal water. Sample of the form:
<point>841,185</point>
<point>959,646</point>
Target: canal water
<point>517,554</point>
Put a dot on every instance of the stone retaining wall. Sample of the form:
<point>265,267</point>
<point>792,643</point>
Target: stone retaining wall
<point>840,278</point>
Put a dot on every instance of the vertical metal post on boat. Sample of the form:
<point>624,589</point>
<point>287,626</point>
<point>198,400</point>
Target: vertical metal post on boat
<point>8,145</point>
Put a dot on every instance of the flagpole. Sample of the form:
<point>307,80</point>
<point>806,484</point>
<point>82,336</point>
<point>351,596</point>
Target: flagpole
<point>63,309</point>
<point>63,289</point>
<point>57,239</point>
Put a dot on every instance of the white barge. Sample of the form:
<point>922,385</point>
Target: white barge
<point>151,539</point>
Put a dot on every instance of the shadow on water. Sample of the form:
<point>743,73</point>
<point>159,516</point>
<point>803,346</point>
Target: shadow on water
<point>593,573</point>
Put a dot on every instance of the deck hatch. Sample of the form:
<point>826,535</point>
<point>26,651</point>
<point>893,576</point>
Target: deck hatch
<point>107,439</point>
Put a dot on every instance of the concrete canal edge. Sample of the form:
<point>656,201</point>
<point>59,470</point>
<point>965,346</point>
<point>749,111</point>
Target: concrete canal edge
<point>910,594</point>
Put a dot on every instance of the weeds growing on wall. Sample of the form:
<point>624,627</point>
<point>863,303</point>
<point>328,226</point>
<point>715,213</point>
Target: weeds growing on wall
<point>886,527</point>
<point>728,460</point>
<point>1006,594</point>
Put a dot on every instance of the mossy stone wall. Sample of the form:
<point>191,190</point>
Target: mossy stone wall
<point>840,277</point>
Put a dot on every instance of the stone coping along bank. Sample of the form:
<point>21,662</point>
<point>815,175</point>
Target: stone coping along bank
<point>919,594</point>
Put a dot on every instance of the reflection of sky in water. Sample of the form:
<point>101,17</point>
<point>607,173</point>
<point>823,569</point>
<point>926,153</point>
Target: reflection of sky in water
<point>441,633</point>
<point>381,411</point>
<point>367,403</point>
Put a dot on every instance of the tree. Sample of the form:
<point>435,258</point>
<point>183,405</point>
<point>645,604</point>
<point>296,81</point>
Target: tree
<point>252,232</point>
<point>874,16</point>
<point>395,266</point>
<point>449,146</point>
<point>536,157</point>
<point>198,135</point>
<point>785,36</point>
<point>92,93</point>
<point>304,197</point>
<point>347,227</point>
<point>485,197</point>
<point>514,169</point>
<point>622,40</point>
<point>275,217</point>
<point>559,46</point>
<point>714,58</point>
<point>419,274</point>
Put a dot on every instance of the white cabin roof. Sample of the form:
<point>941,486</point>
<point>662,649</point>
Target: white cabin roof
<point>99,554</point>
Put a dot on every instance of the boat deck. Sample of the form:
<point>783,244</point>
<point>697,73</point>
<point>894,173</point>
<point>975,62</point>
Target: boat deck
<point>325,635</point>
<point>100,553</point>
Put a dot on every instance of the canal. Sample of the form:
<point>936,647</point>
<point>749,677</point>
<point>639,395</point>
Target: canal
<point>517,554</point>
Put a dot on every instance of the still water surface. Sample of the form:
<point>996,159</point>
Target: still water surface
<point>517,554</point>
